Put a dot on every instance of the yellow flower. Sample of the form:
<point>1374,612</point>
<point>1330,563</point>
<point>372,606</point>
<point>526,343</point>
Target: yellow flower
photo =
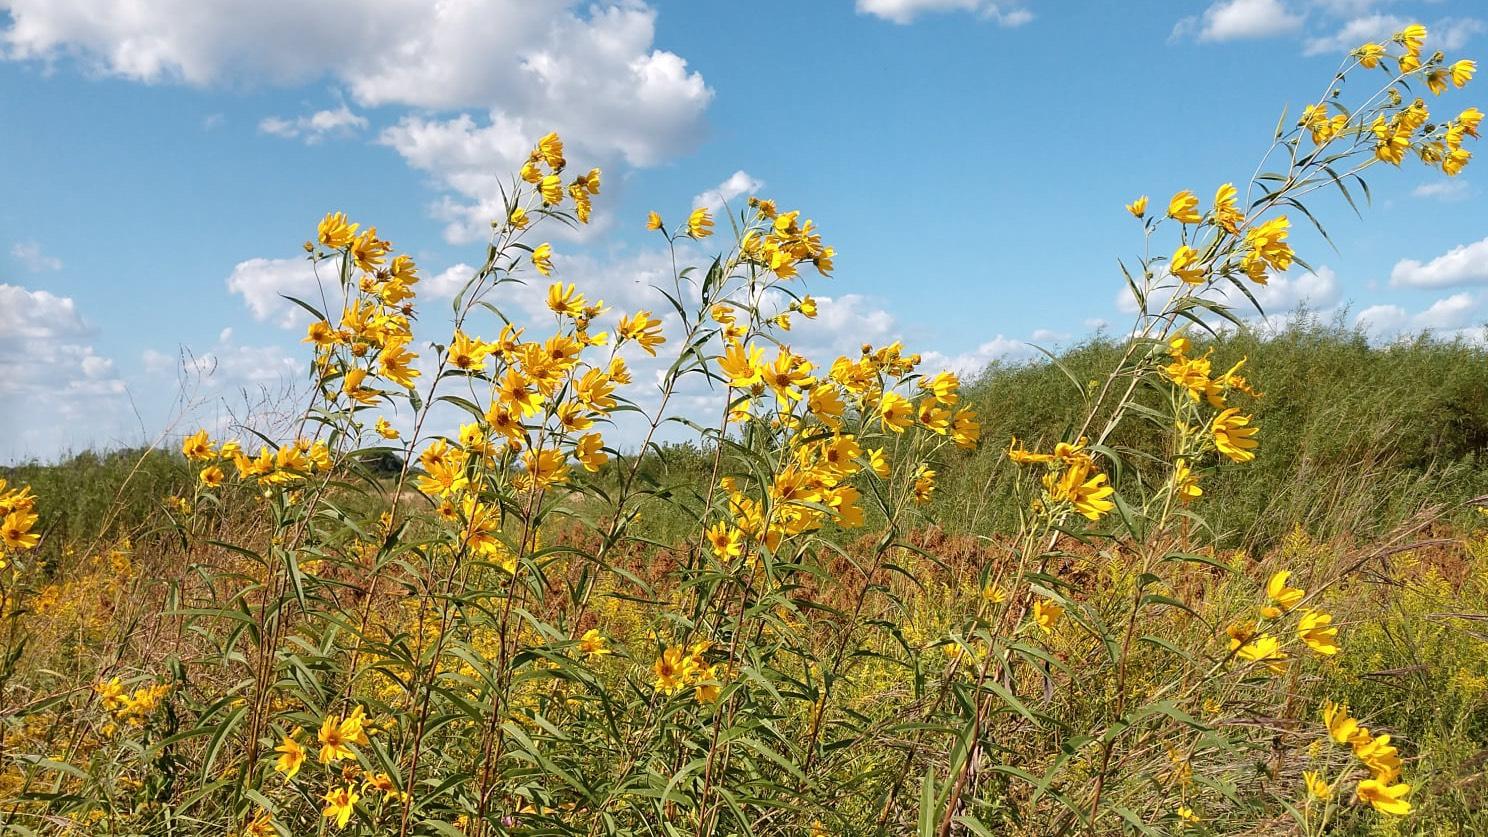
<point>394,363</point>
<point>1378,754</point>
<point>1341,727</point>
<point>727,542</point>
<point>878,463</point>
<point>1227,214</point>
<point>1317,787</point>
<point>1387,799</point>
<point>1436,81</point>
<point>1413,37</point>
<point>924,485</point>
<point>895,412</point>
<point>340,805</point>
<point>564,300</point>
<point>197,446</point>
<point>1316,630</point>
<point>385,430</point>
<point>1185,265</point>
<point>334,231</point>
<point>338,734</point>
<point>262,825</point>
<point>551,189</point>
<point>1233,435</point>
<point>546,467</point>
<point>1046,615</point>
<point>1185,484</point>
<point>644,329</point>
<point>1022,456</point>
<point>291,756</point>
<point>1138,207</point>
<point>1470,119</point>
<point>1369,55</point>
<point>1268,247</point>
<point>744,368</point>
<point>518,393</point>
<point>1285,597</point>
<point>369,251</point>
<point>321,333</point>
<point>1081,485</point>
<point>542,259</point>
<point>1266,650</point>
<point>1184,207</point>
<point>212,476</point>
<point>700,223</point>
<point>653,220</point>
<point>590,452</point>
<point>518,218</point>
<point>593,644</point>
<point>1187,814</point>
<point>672,669</point>
<point>467,352</point>
<point>1462,72</point>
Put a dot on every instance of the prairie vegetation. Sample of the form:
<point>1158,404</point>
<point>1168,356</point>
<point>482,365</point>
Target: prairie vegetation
<point>1188,580</point>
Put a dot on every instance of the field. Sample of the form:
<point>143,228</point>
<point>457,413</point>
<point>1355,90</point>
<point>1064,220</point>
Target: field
<point>1201,576</point>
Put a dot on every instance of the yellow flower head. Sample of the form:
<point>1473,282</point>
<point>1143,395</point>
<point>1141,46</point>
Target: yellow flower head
<point>1184,207</point>
<point>700,223</point>
<point>1317,787</point>
<point>1046,614</point>
<point>1285,597</point>
<point>1138,207</point>
<point>1315,628</point>
<point>291,757</point>
<point>340,804</point>
<point>1233,435</point>
<point>1387,799</point>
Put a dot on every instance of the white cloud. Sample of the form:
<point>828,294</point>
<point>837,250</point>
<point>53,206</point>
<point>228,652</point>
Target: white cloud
<point>1445,190</point>
<point>1359,30</point>
<point>1362,27</point>
<point>1465,264</point>
<point>1230,20</point>
<point>737,185</point>
<point>1446,317</point>
<point>525,68</point>
<point>263,284</point>
<point>905,11</point>
<point>1382,319</point>
<point>57,390</point>
<point>968,364</point>
<point>1280,296</point>
<point>31,257</point>
<point>316,126</point>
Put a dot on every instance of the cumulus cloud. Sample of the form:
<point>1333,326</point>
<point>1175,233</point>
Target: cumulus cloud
<point>509,70</point>
<point>31,257</point>
<point>1363,25</point>
<point>264,283</point>
<point>905,11</point>
<point>1231,20</point>
<point>57,389</point>
<point>737,185</point>
<point>1358,30</point>
<point>1279,297</point>
<point>1449,316</point>
<point>1465,264</point>
<point>313,128</point>
<point>1443,190</point>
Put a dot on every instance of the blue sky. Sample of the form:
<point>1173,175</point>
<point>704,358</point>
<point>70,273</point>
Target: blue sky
<point>967,159</point>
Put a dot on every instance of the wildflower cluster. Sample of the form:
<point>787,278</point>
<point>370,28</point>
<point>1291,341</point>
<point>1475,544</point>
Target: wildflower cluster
<point>1383,790</point>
